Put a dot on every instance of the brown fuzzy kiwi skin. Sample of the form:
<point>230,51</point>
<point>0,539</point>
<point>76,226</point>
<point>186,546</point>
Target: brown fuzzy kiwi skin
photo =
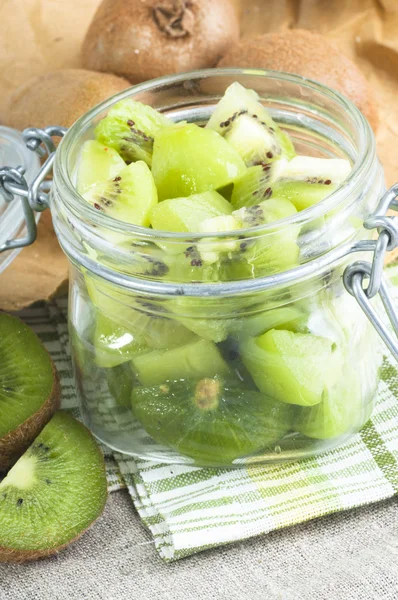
<point>144,39</point>
<point>59,98</point>
<point>11,555</point>
<point>16,442</point>
<point>310,55</point>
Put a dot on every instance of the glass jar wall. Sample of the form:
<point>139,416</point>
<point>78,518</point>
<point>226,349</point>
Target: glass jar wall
<point>260,360</point>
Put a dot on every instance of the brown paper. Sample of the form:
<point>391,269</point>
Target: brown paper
<point>37,36</point>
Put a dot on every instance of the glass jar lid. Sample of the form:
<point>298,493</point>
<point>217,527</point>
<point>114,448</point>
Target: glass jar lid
<point>14,153</point>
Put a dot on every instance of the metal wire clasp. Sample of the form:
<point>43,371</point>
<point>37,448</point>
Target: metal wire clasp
<point>34,197</point>
<point>364,280</point>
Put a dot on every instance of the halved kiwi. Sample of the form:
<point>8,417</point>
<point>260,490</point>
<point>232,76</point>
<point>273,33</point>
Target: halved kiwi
<point>211,420</point>
<point>55,491</point>
<point>29,388</point>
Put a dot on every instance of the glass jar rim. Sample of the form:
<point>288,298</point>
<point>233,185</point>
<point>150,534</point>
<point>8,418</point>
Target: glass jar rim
<point>361,166</point>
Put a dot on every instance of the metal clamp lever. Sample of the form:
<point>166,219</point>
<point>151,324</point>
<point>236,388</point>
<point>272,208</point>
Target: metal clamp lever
<point>358,273</point>
<point>33,197</point>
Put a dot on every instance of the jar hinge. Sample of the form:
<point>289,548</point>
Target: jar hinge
<point>34,197</point>
<point>364,280</point>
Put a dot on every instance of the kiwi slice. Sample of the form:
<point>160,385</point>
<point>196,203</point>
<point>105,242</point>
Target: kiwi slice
<point>291,318</point>
<point>199,358</point>
<point>248,127</point>
<point>211,420</point>
<point>188,159</point>
<point>306,180</point>
<point>55,491</point>
<point>186,214</point>
<point>291,367</point>
<point>255,185</point>
<point>98,163</point>
<point>128,197</point>
<point>29,388</point>
<point>130,128</point>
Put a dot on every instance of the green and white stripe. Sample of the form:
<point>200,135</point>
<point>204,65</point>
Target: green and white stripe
<point>189,509</point>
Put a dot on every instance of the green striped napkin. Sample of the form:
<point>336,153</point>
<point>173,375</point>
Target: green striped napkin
<point>189,509</point>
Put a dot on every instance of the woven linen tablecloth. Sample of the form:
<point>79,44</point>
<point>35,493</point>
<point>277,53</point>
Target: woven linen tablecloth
<point>188,509</point>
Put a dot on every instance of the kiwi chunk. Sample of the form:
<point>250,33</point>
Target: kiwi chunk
<point>197,359</point>
<point>98,163</point>
<point>120,384</point>
<point>29,388</point>
<point>248,126</point>
<point>291,367</point>
<point>188,159</point>
<point>114,344</point>
<point>211,420</point>
<point>130,128</point>
<point>276,250</point>
<point>53,493</point>
<point>186,214</point>
<point>342,410</point>
<point>128,197</point>
<point>255,185</point>
<point>307,180</point>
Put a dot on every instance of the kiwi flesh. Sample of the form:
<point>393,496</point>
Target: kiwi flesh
<point>247,125</point>
<point>114,344</point>
<point>55,491</point>
<point>144,321</point>
<point>199,358</point>
<point>130,128</point>
<point>307,180</point>
<point>29,388</point>
<point>128,197</point>
<point>211,420</point>
<point>188,159</point>
<point>186,214</point>
<point>291,367</point>
<point>98,163</point>
<point>255,185</point>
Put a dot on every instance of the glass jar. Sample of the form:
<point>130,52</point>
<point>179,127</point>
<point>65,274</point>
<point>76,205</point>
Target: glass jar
<point>258,355</point>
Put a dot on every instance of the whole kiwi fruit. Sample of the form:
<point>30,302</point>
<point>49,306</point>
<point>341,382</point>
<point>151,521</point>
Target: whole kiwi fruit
<point>60,97</point>
<point>143,39</point>
<point>307,54</point>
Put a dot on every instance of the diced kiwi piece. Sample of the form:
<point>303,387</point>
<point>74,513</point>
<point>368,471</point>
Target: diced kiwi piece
<point>114,344</point>
<point>186,214</point>
<point>211,420</point>
<point>197,359</point>
<point>29,388</point>
<point>248,126</point>
<point>140,319</point>
<point>55,491</point>
<point>255,185</point>
<point>291,367</point>
<point>289,317</point>
<point>120,383</point>
<point>130,128</point>
<point>128,197</point>
<point>98,163</point>
<point>274,251</point>
<point>342,410</point>
<point>307,180</point>
<point>188,159</point>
